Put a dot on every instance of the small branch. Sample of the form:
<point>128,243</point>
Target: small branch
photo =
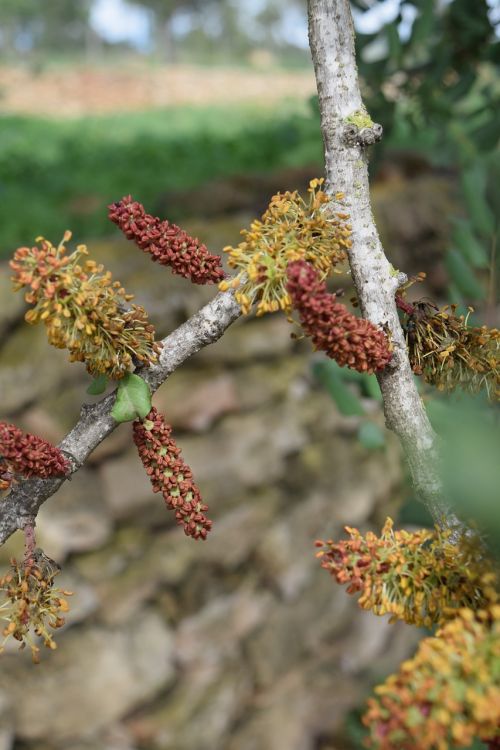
<point>367,136</point>
<point>406,307</point>
<point>331,37</point>
<point>20,507</point>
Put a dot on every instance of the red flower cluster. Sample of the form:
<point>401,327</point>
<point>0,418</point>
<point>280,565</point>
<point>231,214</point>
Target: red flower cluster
<point>348,340</point>
<point>166,243</point>
<point>169,474</point>
<point>29,455</point>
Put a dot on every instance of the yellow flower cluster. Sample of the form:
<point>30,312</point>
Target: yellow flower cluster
<point>32,605</point>
<point>291,229</point>
<point>419,577</point>
<point>448,695</point>
<point>84,311</point>
<point>449,354</point>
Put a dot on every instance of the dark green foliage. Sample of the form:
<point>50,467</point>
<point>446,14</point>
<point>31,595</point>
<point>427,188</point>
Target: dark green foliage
<point>437,89</point>
<point>471,471</point>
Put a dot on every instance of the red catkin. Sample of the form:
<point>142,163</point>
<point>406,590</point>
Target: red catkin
<point>28,455</point>
<point>167,243</point>
<point>169,474</point>
<point>350,341</point>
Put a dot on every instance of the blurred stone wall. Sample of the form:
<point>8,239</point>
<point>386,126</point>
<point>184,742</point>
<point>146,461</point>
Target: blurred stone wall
<point>241,642</point>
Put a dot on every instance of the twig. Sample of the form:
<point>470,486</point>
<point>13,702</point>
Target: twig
<point>21,505</point>
<point>331,37</point>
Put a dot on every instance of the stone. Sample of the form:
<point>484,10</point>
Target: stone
<point>94,678</point>
<point>236,534</point>
<point>268,382</point>
<point>126,487</point>
<point>6,725</point>
<point>64,404</point>
<point>114,445</point>
<point>240,452</point>
<point>39,421</point>
<point>200,711</point>
<point>84,601</point>
<point>216,631</point>
<point>297,709</point>
<point>295,629</point>
<point>250,341</point>
<point>356,480</point>
<point>31,368</point>
<point>127,545</point>
<point>194,400</point>
<point>131,569</point>
<point>286,548</point>
<point>73,520</point>
<point>412,216</point>
<point>12,304</point>
<point>115,737</point>
<point>366,640</point>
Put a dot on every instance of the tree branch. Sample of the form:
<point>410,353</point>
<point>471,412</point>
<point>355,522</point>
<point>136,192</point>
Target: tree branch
<point>331,38</point>
<point>22,503</point>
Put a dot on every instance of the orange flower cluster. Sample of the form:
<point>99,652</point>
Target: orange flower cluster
<point>83,310</point>
<point>167,243</point>
<point>169,474</point>
<point>418,577</point>
<point>32,605</point>
<point>448,694</point>
<point>291,229</point>
<point>29,455</point>
<point>350,341</point>
<point>448,353</point>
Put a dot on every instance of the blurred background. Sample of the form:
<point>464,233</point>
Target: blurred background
<point>202,109</point>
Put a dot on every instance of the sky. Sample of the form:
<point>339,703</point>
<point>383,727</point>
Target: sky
<point>118,21</point>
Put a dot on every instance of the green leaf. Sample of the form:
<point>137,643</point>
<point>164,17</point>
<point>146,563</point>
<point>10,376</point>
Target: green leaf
<point>371,387</point>
<point>394,41</point>
<point>424,23</point>
<point>463,276</point>
<point>98,385</point>
<point>371,436</point>
<point>133,399</point>
<point>474,190</point>
<point>468,244</point>
<point>347,402</point>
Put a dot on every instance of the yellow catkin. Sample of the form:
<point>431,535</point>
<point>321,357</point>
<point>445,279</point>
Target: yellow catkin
<point>291,229</point>
<point>82,309</point>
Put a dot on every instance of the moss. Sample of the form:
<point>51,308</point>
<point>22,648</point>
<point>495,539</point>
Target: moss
<point>360,118</point>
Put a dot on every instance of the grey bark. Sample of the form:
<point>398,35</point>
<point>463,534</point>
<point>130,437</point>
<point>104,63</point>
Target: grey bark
<point>331,38</point>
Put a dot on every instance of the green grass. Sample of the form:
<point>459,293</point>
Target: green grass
<point>58,174</point>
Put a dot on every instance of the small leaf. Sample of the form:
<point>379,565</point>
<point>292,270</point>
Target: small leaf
<point>468,244</point>
<point>371,387</point>
<point>474,191</point>
<point>424,23</point>
<point>371,436</point>
<point>133,399</point>
<point>98,385</point>
<point>463,276</point>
